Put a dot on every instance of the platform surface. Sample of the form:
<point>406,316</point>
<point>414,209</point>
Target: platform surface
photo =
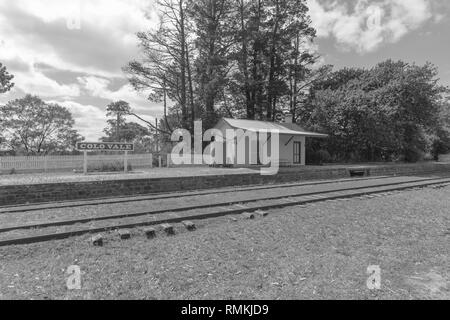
<point>160,173</point>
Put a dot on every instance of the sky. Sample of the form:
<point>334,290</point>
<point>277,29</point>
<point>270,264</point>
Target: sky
<point>72,51</point>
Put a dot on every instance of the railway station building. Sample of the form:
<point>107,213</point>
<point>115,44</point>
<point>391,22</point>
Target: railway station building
<point>292,139</point>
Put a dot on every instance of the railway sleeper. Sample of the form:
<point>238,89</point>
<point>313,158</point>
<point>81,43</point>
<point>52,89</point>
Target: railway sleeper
<point>150,232</point>
<point>168,229</point>
<point>248,215</point>
<point>189,225</point>
<point>262,213</point>
<point>97,240</point>
<point>124,234</point>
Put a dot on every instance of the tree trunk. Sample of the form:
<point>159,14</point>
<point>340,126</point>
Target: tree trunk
<point>256,88</point>
<point>271,99</point>
<point>184,115</point>
<point>210,70</point>
<point>244,63</point>
<point>191,91</point>
<point>294,90</point>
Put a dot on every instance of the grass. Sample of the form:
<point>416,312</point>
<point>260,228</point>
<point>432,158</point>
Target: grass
<point>321,251</point>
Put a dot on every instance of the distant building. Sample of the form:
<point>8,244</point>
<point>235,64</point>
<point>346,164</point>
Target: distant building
<point>291,144</point>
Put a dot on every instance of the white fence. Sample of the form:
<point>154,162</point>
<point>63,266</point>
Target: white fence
<point>194,160</point>
<point>69,163</point>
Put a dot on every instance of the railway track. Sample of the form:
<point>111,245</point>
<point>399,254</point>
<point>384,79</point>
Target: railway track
<point>39,232</point>
<point>128,199</point>
<point>186,208</point>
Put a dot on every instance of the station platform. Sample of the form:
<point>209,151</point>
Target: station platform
<point>47,187</point>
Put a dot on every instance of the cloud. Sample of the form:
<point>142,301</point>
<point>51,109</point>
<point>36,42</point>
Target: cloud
<point>367,25</point>
<point>99,87</point>
<point>71,52</point>
<point>29,80</point>
<point>89,120</point>
<point>37,31</point>
<point>35,82</point>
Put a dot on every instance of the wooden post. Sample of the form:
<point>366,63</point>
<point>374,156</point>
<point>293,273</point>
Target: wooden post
<point>160,162</point>
<point>125,162</point>
<point>85,167</point>
<point>168,160</point>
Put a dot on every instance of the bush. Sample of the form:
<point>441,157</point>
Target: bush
<point>413,155</point>
<point>318,157</point>
<point>438,147</point>
<point>155,162</point>
<point>109,167</point>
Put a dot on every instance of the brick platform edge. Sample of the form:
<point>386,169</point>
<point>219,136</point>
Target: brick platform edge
<point>38,193</point>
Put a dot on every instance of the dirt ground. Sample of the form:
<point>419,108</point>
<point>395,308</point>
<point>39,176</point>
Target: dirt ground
<point>319,251</point>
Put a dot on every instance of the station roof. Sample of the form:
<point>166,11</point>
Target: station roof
<point>283,128</point>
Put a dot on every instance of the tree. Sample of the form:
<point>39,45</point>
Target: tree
<point>237,58</point>
<point>5,79</point>
<point>118,110</point>
<point>440,137</point>
<point>32,126</point>
<point>164,70</point>
<point>128,132</point>
<point>271,56</point>
<point>214,39</point>
<point>387,112</point>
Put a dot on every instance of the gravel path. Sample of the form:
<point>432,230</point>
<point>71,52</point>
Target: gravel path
<point>61,177</point>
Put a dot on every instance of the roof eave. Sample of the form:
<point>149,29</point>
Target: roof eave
<point>289,132</point>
